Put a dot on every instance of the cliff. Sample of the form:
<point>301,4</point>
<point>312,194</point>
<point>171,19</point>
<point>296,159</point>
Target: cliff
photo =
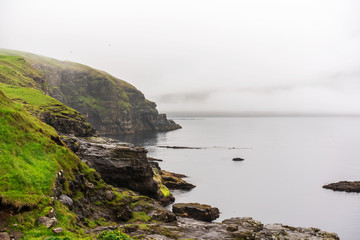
<point>111,105</point>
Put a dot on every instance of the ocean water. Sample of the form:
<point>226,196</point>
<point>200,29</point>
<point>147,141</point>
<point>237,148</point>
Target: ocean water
<point>287,161</point>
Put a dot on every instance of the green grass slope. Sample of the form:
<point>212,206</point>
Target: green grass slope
<point>29,158</point>
<point>22,83</point>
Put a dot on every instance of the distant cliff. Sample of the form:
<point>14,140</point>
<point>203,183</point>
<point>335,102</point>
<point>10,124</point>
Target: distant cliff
<point>111,105</point>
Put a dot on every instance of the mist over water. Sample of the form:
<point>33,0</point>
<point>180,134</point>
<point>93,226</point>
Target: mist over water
<point>287,161</point>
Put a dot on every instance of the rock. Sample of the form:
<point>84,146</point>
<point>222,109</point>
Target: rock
<point>162,215</point>
<point>57,230</point>
<point>232,228</point>
<point>47,222</point>
<point>344,186</point>
<point>66,200</point>
<point>123,213</point>
<point>246,223</point>
<point>4,236</point>
<point>238,159</point>
<point>110,195</point>
<point>174,181</point>
<point>120,165</point>
<point>197,211</point>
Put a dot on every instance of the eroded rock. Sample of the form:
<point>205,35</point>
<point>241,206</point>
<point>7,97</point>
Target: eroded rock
<point>197,211</point>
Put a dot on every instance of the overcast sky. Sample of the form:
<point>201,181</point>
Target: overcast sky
<point>250,57</point>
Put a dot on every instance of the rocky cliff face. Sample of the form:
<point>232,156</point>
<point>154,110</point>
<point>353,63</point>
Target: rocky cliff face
<point>111,105</point>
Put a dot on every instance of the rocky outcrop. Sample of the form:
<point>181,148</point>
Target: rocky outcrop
<point>344,186</point>
<point>196,211</point>
<point>121,165</point>
<point>235,228</point>
<point>68,124</point>
<point>175,181</point>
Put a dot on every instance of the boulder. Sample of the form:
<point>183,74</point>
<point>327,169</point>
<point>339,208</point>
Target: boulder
<point>66,200</point>
<point>237,159</point>
<point>245,222</point>
<point>47,222</point>
<point>196,211</point>
<point>344,186</point>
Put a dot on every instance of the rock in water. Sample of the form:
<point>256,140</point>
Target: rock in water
<point>238,159</point>
<point>196,211</point>
<point>174,181</point>
<point>344,186</point>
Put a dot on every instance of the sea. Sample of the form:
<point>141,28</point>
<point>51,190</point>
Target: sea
<point>287,160</point>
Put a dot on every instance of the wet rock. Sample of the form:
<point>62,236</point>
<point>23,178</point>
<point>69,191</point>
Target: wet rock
<point>237,159</point>
<point>175,181</point>
<point>4,236</point>
<point>344,186</point>
<point>47,222</point>
<point>57,230</point>
<point>197,211</point>
<point>66,200</point>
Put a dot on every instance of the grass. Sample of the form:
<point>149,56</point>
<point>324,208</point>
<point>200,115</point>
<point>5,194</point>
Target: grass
<point>29,158</point>
<point>15,70</point>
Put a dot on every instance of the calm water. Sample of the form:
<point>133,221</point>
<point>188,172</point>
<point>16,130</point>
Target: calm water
<point>287,161</point>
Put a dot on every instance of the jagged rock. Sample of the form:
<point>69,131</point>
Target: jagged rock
<point>4,236</point>
<point>197,211</point>
<point>246,223</point>
<point>344,186</point>
<point>57,230</point>
<point>121,165</point>
<point>47,222</point>
<point>174,181</point>
<point>66,200</point>
<point>68,124</point>
<point>162,215</point>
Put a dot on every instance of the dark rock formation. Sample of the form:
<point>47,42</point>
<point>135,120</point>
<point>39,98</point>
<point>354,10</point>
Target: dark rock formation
<point>68,124</point>
<point>197,211</point>
<point>238,159</point>
<point>344,186</point>
<point>120,165</point>
<point>174,181</point>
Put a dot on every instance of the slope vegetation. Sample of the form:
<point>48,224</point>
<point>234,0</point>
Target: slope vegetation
<point>111,105</point>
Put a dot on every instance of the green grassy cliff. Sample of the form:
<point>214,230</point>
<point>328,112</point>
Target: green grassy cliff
<point>111,105</point>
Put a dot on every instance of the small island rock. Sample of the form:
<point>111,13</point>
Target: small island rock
<point>344,186</point>
<point>237,159</point>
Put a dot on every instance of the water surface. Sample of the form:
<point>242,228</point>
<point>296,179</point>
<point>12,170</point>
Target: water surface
<point>287,161</point>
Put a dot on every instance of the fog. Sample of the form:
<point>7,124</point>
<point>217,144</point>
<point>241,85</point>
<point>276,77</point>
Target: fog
<point>253,57</point>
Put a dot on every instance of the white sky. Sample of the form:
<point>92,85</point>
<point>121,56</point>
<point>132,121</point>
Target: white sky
<point>255,56</point>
